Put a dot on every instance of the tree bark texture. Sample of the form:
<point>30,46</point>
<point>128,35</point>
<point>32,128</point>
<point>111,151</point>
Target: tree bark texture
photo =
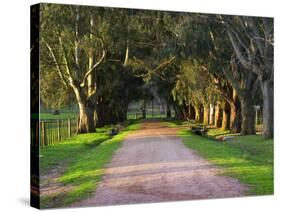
<point>268,110</point>
<point>218,115</point>
<point>235,114</point>
<point>248,116</point>
<point>225,117</point>
<point>206,114</point>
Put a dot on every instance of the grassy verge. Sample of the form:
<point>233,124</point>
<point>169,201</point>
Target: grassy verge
<point>85,164</point>
<point>175,123</point>
<point>217,132</point>
<point>247,158</point>
<point>67,150</point>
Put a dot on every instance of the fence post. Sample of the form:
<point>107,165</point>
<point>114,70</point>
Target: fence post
<point>43,133</point>
<point>69,127</point>
<point>58,124</point>
<point>77,125</point>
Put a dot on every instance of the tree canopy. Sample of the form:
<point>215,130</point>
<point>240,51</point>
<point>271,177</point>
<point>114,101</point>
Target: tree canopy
<point>210,68</point>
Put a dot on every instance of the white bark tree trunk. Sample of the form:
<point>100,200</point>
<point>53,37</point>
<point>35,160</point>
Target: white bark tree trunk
<point>212,113</point>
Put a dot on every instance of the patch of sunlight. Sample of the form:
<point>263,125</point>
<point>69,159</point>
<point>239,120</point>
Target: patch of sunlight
<point>70,177</point>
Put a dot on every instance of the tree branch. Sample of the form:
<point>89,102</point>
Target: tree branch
<point>164,64</point>
<point>70,78</point>
<point>237,50</point>
<point>126,54</point>
<point>229,75</point>
<point>56,62</point>
<point>95,65</point>
<point>232,37</point>
<point>257,35</point>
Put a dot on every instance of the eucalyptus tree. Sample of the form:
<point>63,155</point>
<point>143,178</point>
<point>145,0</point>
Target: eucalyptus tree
<point>73,38</point>
<point>194,87</point>
<point>229,95</point>
<point>77,41</point>
<point>214,50</point>
<point>252,40</point>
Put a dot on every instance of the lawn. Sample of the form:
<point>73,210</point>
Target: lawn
<point>246,158</point>
<point>62,115</point>
<point>83,158</point>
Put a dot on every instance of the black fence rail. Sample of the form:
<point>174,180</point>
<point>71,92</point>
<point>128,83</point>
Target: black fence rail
<point>149,115</point>
<point>49,132</point>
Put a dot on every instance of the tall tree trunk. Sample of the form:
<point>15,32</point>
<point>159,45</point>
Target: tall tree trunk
<point>197,114</point>
<point>152,106</point>
<point>206,114</point>
<point>86,108</point>
<point>201,114</point>
<point>168,110</point>
<point>218,115</point>
<point>212,110</point>
<point>86,118</point>
<point>267,110</point>
<point>184,113</point>
<point>246,90</point>
<point>144,110</point>
<point>124,111</point>
<point>225,117</point>
<point>248,115</point>
<point>178,112</point>
<point>235,114</point>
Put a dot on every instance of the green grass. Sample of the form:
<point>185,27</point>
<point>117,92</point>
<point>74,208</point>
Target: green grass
<point>62,115</point>
<point>85,164</point>
<point>52,156</point>
<point>172,122</point>
<point>217,132</point>
<point>247,158</point>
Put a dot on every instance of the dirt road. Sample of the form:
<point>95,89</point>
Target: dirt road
<point>153,165</point>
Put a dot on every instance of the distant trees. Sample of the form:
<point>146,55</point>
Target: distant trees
<point>193,88</point>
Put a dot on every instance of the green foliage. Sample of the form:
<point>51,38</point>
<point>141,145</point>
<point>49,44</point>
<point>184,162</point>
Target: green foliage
<point>179,55</point>
<point>53,94</point>
<point>194,84</point>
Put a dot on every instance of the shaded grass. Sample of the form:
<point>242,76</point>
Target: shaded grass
<point>247,158</point>
<point>85,165</point>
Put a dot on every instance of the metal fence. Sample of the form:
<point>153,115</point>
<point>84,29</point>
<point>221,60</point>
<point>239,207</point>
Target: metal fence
<point>49,132</point>
<point>259,121</point>
<point>148,115</point>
